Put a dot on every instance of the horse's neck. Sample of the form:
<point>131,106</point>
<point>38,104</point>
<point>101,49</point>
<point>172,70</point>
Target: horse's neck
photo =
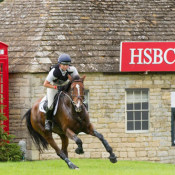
<point>69,88</point>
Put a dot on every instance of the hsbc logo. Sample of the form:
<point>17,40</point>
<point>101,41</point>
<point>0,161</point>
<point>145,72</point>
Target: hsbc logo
<point>151,56</point>
<point>147,56</point>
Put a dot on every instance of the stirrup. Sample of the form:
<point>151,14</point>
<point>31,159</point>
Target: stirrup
<point>48,125</point>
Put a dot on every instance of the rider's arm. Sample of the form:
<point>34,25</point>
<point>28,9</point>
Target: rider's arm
<point>48,85</point>
<point>49,79</point>
<point>73,70</point>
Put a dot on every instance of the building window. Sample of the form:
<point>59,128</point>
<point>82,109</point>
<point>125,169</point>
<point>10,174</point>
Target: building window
<point>137,110</point>
<point>173,126</point>
<point>86,101</point>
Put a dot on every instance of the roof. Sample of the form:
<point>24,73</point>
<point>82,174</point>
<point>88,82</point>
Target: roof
<point>90,31</point>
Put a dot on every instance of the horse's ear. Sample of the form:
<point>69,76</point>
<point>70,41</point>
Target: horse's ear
<point>84,76</point>
<point>70,78</point>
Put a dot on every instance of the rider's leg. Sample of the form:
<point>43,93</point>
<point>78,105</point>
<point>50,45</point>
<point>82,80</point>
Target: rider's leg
<point>49,113</point>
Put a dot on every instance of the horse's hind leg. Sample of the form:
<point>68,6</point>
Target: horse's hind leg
<point>60,153</point>
<point>78,141</point>
<point>91,130</point>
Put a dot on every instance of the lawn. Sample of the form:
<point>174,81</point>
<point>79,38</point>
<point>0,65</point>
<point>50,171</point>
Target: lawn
<point>87,167</point>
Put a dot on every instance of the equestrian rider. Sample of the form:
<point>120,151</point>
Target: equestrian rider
<point>56,79</point>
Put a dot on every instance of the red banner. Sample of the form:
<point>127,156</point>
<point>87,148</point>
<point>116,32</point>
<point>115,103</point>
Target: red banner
<point>147,56</point>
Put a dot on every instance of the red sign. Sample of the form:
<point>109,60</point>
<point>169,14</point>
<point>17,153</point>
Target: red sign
<point>147,56</point>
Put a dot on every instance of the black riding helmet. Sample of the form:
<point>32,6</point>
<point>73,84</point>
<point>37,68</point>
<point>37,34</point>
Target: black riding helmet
<point>64,59</point>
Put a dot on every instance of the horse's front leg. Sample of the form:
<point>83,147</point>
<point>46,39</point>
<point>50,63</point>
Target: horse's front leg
<point>91,130</point>
<point>73,136</point>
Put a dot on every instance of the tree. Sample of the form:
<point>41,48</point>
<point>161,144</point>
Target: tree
<point>8,151</point>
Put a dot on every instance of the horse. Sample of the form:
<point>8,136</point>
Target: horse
<point>70,119</point>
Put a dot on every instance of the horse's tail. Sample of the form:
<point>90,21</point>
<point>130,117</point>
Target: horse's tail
<point>39,141</point>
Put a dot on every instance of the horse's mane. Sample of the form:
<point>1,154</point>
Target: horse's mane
<point>76,77</point>
<point>66,87</point>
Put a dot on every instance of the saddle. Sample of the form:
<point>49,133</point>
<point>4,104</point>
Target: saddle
<point>44,102</point>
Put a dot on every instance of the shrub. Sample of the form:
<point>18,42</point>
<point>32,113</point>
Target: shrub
<point>8,151</point>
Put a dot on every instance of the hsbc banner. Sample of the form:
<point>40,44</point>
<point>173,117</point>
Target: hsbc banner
<point>147,56</point>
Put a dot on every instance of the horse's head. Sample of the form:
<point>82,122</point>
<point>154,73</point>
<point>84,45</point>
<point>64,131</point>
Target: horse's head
<point>77,92</point>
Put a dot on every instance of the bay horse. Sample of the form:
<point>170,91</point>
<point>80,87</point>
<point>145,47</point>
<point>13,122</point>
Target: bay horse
<point>70,119</point>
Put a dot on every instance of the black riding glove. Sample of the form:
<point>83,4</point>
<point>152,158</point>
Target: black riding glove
<point>60,88</point>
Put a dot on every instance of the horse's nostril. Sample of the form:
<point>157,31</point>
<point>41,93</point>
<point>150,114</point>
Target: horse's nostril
<point>78,109</point>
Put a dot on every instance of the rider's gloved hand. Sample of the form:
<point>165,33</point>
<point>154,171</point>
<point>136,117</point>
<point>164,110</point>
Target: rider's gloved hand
<point>60,88</point>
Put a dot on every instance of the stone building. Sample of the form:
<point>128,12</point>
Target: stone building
<point>91,31</point>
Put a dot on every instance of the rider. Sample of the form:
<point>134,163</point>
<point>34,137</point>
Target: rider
<point>56,79</point>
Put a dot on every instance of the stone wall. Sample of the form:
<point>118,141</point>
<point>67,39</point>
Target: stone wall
<point>107,113</point>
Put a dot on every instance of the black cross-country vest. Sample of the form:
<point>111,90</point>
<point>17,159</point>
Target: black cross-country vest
<point>57,73</point>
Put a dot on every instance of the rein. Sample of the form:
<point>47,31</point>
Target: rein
<point>76,117</point>
<point>72,102</point>
<point>69,98</point>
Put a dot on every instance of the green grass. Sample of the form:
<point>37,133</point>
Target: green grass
<point>87,167</point>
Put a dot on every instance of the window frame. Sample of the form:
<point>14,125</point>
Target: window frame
<point>137,131</point>
<point>87,92</point>
<point>173,125</point>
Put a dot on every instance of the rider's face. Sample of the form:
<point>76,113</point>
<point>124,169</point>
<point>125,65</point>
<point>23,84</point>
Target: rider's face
<point>64,66</point>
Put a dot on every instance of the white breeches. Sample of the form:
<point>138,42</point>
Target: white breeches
<point>50,96</point>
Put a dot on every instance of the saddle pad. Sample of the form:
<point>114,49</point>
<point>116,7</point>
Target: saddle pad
<point>41,105</point>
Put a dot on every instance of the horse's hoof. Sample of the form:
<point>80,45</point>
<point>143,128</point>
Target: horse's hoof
<point>113,159</point>
<point>79,151</point>
<point>72,166</point>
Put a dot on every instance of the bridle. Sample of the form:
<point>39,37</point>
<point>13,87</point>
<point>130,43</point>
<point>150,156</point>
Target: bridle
<point>72,95</point>
<point>78,96</point>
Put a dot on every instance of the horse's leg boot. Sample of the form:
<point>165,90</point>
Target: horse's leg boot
<point>48,121</point>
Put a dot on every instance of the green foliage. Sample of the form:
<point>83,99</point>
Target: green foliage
<point>8,151</point>
<point>1,1</point>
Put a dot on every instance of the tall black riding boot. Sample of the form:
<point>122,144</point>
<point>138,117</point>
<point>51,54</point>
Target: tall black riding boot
<point>48,121</point>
